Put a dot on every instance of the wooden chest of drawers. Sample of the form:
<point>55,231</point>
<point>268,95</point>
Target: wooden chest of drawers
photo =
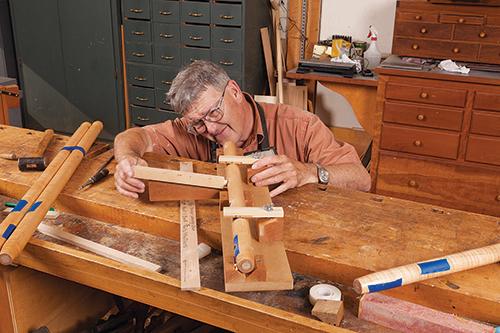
<point>438,139</point>
<point>445,31</point>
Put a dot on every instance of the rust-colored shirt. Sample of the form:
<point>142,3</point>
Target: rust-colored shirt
<point>296,133</point>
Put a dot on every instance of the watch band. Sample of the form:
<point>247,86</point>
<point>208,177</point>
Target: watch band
<point>323,175</point>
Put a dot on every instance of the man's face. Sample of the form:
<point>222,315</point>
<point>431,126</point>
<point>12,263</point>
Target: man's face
<point>232,125</point>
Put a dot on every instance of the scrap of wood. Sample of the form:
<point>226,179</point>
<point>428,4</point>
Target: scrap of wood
<point>190,266</point>
<point>179,177</point>
<point>98,248</point>
<point>51,214</point>
<point>329,311</point>
<point>237,159</point>
<point>268,56</point>
<point>409,317</point>
<point>254,212</point>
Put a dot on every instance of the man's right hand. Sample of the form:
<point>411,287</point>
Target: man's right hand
<point>125,182</point>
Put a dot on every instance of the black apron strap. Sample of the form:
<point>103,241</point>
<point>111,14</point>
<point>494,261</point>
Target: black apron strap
<point>264,145</point>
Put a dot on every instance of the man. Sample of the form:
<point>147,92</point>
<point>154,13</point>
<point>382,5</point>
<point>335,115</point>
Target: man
<point>215,111</point>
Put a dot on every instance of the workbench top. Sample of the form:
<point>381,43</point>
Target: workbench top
<point>331,234</point>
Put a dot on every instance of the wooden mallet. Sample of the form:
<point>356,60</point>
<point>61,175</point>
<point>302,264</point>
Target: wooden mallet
<point>37,161</point>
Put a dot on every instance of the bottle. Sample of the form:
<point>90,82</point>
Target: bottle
<point>373,55</point>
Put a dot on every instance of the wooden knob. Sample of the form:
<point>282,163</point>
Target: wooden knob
<point>415,47</point>
<point>421,117</point>
<point>412,183</point>
<point>482,35</point>
<point>418,17</point>
<point>456,50</point>
<point>423,30</point>
<point>497,198</point>
<point>461,20</point>
<point>424,95</point>
<point>417,143</point>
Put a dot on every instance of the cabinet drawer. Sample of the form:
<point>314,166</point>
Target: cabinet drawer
<point>486,101</point>
<point>227,38</point>
<point>426,94</point>
<point>163,116</point>
<point>166,33</point>
<point>192,54</point>
<point>136,31</point>
<point>195,12</point>
<point>490,54</point>
<point>458,186</point>
<point>229,60</point>
<point>195,35</point>
<point>462,19</point>
<point>419,141</point>
<point>141,96</point>
<point>424,30</point>
<point>164,78</point>
<point>139,52</point>
<point>417,16</point>
<point>483,149</point>
<point>142,116</point>
<point>138,9</point>
<point>477,34</point>
<point>166,11</point>
<point>227,14</point>
<point>168,55</point>
<point>493,20</point>
<point>484,122</point>
<point>435,49</point>
<point>426,116</point>
<point>140,76</point>
<point>161,100</point>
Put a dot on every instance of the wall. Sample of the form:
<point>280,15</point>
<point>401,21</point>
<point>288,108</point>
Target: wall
<point>352,18</point>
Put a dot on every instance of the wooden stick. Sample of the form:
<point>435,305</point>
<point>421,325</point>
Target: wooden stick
<point>178,177</point>
<point>424,270</point>
<point>98,248</point>
<point>22,207</point>
<point>21,235</point>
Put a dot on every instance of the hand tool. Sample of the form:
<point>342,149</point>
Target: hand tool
<point>38,161</point>
<point>95,178</point>
<point>9,156</point>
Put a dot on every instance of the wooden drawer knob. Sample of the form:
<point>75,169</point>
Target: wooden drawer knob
<point>497,198</point>
<point>421,117</point>
<point>412,183</point>
<point>456,50</point>
<point>418,17</point>
<point>417,143</point>
<point>424,95</point>
<point>423,30</point>
<point>461,20</point>
<point>482,35</point>
<point>415,47</point>
<point>142,119</point>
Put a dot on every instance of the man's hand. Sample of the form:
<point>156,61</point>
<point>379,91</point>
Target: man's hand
<point>125,182</point>
<point>279,169</point>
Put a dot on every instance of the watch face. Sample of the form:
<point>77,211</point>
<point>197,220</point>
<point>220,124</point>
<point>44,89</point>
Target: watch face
<point>323,175</point>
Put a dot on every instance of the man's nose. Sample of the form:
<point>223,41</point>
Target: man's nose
<point>211,127</point>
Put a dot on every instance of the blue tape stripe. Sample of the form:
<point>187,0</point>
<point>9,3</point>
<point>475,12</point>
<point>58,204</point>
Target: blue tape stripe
<point>20,205</point>
<point>236,246</point>
<point>384,286</point>
<point>35,206</point>
<point>441,265</point>
<point>10,229</point>
<point>71,148</point>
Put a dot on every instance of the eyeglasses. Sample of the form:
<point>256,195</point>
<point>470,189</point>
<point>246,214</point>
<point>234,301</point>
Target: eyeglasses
<point>213,115</point>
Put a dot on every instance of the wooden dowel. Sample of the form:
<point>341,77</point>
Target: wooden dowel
<point>21,235</point>
<point>13,219</point>
<point>424,270</point>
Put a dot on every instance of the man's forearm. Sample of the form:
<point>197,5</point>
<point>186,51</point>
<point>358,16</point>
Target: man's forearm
<point>133,142</point>
<point>349,175</point>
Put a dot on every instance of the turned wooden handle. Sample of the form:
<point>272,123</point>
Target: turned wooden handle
<point>424,270</point>
<point>42,145</point>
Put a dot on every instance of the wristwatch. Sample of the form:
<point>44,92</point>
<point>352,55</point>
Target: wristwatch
<point>323,175</point>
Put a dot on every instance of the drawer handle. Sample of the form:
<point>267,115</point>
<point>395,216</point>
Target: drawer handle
<point>415,47</point>
<point>226,63</point>
<point>456,50</point>
<point>424,95</point>
<point>418,17</point>
<point>227,40</point>
<point>423,30</point>
<point>195,15</point>
<point>497,198</point>
<point>167,58</point>
<point>166,82</point>
<point>193,60</point>
<point>142,119</point>
<point>165,13</point>
<point>137,32</point>
<point>417,143</point>
<point>166,36</point>
<point>227,17</point>
<point>195,38</point>
<point>165,102</point>
<point>421,117</point>
<point>136,10</point>
<point>138,54</point>
<point>461,20</point>
<point>141,99</point>
<point>412,183</point>
<point>140,78</point>
<point>482,35</point>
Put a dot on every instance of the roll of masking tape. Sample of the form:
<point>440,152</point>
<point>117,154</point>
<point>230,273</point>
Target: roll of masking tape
<point>324,291</point>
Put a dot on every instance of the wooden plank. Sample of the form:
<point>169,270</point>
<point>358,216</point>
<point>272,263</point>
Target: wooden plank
<point>178,177</point>
<point>190,268</point>
<point>254,212</point>
<point>268,56</point>
<point>98,248</point>
<point>162,191</point>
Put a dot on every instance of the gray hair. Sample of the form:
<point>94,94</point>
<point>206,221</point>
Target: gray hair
<point>192,81</point>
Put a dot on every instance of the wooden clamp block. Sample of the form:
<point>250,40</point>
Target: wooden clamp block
<point>329,311</point>
<point>270,229</point>
<point>232,275</point>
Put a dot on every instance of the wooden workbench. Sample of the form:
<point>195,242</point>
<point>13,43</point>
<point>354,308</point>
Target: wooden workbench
<point>331,235</point>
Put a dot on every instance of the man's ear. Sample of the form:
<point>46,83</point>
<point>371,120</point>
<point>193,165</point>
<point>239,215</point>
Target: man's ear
<point>234,90</point>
